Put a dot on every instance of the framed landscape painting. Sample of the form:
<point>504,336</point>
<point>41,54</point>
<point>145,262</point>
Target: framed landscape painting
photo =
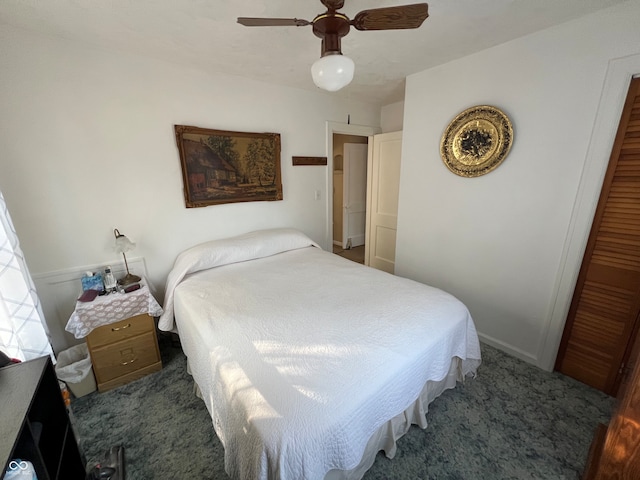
<point>220,166</point>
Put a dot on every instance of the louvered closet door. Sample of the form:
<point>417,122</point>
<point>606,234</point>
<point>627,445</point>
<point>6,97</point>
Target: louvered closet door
<point>603,316</point>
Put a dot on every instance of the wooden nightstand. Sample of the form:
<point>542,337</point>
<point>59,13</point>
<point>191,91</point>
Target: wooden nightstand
<point>124,351</point>
<point>121,335</point>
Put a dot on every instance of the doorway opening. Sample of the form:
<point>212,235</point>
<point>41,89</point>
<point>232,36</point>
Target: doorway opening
<point>349,195</point>
<point>338,131</point>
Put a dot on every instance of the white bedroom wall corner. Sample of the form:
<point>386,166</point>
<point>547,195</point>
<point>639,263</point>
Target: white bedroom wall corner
<point>614,91</point>
<point>392,117</point>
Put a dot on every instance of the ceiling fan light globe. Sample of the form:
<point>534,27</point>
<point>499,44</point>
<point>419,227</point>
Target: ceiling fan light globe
<point>332,72</point>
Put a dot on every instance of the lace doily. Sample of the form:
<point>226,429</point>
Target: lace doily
<point>111,308</point>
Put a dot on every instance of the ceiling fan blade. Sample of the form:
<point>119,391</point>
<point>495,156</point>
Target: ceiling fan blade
<point>391,18</point>
<point>272,22</point>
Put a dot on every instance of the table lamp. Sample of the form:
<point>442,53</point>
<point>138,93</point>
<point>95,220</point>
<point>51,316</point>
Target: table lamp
<point>123,244</point>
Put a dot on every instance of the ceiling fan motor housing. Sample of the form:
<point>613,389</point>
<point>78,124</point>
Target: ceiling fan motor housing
<point>331,27</point>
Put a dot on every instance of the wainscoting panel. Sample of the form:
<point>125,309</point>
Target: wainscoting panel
<point>59,290</point>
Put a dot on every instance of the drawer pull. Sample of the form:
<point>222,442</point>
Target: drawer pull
<point>115,329</point>
<point>128,356</point>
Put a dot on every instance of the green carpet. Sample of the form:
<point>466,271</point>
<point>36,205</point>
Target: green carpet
<point>513,421</point>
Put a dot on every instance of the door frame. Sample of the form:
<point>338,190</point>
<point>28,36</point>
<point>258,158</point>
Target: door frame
<point>345,129</point>
<point>612,99</point>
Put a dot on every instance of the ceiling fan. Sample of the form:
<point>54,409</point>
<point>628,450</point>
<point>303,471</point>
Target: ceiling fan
<point>333,70</point>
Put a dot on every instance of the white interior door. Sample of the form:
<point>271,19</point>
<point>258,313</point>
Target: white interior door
<point>385,151</point>
<point>354,194</point>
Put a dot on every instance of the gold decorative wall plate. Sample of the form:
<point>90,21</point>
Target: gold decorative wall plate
<point>476,141</point>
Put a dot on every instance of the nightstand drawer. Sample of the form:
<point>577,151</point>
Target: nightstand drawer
<point>116,332</point>
<point>124,357</point>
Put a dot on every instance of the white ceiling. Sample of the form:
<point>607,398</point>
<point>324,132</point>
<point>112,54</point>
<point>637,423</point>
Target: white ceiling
<point>204,34</point>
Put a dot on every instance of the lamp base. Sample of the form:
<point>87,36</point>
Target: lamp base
<point>128,279</point>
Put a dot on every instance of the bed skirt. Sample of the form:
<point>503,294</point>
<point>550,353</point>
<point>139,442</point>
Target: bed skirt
<point>384,439</point>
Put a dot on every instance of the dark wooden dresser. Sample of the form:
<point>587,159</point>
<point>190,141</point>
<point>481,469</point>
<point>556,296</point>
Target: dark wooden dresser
<point>34,424</point>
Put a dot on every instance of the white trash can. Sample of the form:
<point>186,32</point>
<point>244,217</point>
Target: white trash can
<point>74,368</point>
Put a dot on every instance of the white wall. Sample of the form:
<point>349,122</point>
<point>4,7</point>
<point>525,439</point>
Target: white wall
<point>498,242</point>
<point>87,145</point>
<point>391,117</point>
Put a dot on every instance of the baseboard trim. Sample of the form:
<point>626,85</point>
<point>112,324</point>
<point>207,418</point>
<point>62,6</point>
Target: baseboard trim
<point>511,350</point>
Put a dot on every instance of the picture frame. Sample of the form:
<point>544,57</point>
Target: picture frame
<point>220,166</point>
<point>476,141</point>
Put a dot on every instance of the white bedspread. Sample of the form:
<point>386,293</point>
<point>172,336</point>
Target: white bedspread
<point>301,356</point>
<point>249,246</point>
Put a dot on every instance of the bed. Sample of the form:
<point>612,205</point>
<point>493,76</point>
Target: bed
<point>309,364</point>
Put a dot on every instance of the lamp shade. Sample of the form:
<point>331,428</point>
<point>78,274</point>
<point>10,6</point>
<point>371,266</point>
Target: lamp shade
<point>332,72</point>
<point>123,244</point>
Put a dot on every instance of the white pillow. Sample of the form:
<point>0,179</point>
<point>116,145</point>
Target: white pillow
<point>252,245</point>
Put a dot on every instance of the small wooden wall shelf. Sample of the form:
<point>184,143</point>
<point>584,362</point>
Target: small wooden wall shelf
<point>309,160</point>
